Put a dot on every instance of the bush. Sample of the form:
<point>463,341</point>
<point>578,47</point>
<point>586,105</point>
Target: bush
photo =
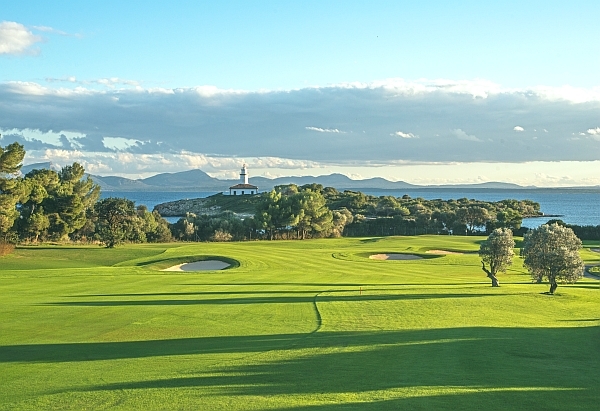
<point>6,248</point>
<point>221,236</point>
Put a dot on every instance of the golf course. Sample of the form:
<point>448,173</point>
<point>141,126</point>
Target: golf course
<point>293,325</point>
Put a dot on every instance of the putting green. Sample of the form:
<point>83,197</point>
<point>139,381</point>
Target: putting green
<point>293,325</point>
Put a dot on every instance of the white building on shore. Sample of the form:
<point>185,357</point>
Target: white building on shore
<point>243,188</point>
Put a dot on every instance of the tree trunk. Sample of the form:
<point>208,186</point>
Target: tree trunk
<point>553,287</point>
<point>495,282</point>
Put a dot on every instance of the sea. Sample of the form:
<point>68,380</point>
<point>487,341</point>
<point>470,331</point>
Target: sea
<point>573,206</point>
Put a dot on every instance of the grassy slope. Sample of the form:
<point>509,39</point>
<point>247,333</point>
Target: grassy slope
<point>88,328</point>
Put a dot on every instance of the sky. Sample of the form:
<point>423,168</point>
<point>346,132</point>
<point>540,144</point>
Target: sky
<point>427,92</point>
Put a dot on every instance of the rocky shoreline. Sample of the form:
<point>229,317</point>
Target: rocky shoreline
<point>180,208</point>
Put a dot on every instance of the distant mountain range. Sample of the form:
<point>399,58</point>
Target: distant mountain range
<point>198,180</point>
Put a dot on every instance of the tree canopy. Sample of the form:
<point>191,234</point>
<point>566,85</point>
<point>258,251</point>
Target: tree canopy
<point>60,206</point>
<point>11,158</point>
<point>551,251</point>
<point>497,252</point>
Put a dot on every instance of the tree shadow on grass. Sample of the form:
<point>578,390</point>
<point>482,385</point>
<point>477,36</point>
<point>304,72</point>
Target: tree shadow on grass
<point>272,300</point>
<point>367,288</point>
<point>581,320</point>
<point>371,240</point>
<point>522,367</point>
<point>488,398</point>
<point>295,284</point>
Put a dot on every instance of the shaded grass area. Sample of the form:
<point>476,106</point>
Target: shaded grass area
<point>341,363</point>
<point>61,257</point>
<point>293,328</point>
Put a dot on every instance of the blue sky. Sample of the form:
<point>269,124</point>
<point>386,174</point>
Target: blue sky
<point>426,92</point>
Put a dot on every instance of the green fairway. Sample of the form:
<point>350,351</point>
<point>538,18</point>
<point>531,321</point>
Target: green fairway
<point>302,325</point>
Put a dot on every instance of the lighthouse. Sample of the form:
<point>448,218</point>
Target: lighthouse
<point>243,187</point>
<point>244,175</point>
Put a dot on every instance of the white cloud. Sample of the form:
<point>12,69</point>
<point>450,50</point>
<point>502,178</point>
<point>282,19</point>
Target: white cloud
<point>213,91</point>
<point>461,135</point>
<point>114,81</point>
<point>69,79</point>
<point>52,30</point>
<point>518,128</point>
<point>324,130</point>
<point>404,135</point>
<point>15,38</point>
<point>594,131</point>
<point>567,93</point>
<point>136,165</point>
<point>110,83</point>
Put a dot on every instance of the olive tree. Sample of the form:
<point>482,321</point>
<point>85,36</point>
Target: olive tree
<point>552,252</point>
<point>497,252</point>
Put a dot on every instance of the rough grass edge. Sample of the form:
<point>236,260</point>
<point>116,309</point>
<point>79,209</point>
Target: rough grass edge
<point>6,248</point>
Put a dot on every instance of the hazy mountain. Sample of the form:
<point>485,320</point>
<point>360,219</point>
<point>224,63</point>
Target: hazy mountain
<point>198,180</point>
<point>191,178</point>
<point>113,183</point>
<point>40,166</point>
<point>338,181</point>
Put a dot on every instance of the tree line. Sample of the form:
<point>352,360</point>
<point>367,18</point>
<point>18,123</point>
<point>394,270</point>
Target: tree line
<point>311,210</point>
<point>48,205</point>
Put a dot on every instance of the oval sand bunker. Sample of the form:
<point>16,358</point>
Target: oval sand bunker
<point>394,257</point>
<point>207,265</point>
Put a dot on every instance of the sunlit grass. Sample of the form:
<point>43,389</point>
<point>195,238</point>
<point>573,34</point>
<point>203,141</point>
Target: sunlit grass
<point>305,325</point>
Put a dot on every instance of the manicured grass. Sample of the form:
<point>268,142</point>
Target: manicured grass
<point>302,325</point>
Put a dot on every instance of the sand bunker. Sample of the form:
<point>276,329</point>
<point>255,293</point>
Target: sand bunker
<point>442,252</point>
<point>394,257</point>
<point>597,250</point>
<point>207,265</point>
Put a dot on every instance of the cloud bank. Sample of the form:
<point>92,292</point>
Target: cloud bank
<point>439,122</point>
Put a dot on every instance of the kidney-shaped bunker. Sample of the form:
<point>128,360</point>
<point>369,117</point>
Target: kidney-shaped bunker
<point>206,265</point>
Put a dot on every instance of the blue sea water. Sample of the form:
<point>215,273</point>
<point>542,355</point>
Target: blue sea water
<point>581,207</point>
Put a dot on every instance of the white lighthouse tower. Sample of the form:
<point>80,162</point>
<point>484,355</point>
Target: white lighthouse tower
<point>244,175</point>
<point>243,187</point>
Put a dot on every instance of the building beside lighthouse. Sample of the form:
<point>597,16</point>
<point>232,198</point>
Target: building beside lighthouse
<point>243,187</point>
